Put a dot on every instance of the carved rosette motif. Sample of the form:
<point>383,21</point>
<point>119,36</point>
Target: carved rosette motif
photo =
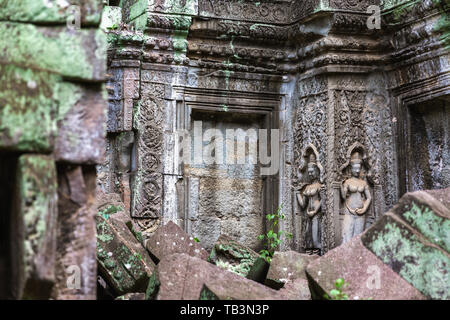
<point>147,184</point>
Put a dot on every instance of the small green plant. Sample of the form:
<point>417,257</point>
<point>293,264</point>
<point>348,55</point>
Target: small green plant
<point>273,238</point>
<point>337,293</point>
<point>196,239</point>
<point>105,213</point>
<point>115,26</point>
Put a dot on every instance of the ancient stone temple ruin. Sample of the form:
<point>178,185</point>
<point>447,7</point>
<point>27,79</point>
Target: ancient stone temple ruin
<point>338,89</point>
<point>203,117</point>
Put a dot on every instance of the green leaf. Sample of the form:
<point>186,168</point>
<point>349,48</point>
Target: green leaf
<point>334,292</point>
<point>196,239</point>
<point>261,237</point>
<point>339,283</point>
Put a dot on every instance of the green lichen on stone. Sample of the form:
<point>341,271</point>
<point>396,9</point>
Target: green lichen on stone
<point>139,14</point>
<point>432,226</point>
<point>104,232</point>
<point>442,26</point>
<point>49,11</point>
<point>27,109</point>
<point>424,267</point>
<point>111,18</point>
<point>38,197</point>
<point>232,258</point>
<point>399,9</point>
<point>152,288</point>
<point>207,294</point>
<point>57,50</point>
<point>109,210</point>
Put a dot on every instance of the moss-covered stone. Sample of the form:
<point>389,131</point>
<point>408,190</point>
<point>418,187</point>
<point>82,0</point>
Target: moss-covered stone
<point>34,227</point>
<point>27,109</point>
<point>111,18</point>
<point>79,54</point>
<point>233,256</point>
<point>412,256</point>
<point>51,11</point>
<point>122,260</point>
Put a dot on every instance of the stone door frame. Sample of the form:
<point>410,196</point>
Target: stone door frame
<point>188,99</point>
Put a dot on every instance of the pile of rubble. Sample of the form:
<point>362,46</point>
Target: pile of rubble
<point>405,255</point>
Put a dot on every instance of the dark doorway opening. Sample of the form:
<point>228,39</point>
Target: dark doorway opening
<point>8,165</point>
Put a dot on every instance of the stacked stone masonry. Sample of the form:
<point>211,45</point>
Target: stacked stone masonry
<point>53,104</point>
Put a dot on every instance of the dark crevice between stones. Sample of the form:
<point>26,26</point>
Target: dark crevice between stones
<point>8,165</point>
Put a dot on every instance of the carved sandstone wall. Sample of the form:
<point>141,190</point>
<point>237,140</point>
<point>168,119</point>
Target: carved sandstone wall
<point>312,69</point>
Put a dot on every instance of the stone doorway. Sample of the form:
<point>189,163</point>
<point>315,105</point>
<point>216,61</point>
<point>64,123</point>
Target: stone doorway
<point>228,197</point>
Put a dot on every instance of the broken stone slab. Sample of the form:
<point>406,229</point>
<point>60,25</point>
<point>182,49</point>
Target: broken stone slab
<point>297,289</point>
<point>233,256</point>
<point>112,201</point>
<point>367,276</point>
<point>182,277</point>
<point>286,267</point>
<point>413,239</point>
<point>170,239</point>
<point>258,271</point>
<point>81,124</point>
<point>132,296</point>
<point>52,12</point>
<point>34,228</point>
<point>122,260</point>
<point>77,55</point>
<point>76,250</point>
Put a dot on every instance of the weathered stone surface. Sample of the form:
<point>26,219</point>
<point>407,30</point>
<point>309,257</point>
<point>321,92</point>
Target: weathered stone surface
<point>297,289</point>
<point>79,54</point>
<point>123,261</point>
<point>233,256</point>
<point>367,276</point>
<point>28,105</point>
<point>82,126</point>
<point>182,277</point>
<point>111,18</point>
<point>76,249</point>
<point>170,239</point>
<point>286,267</point>
<point>44,11</point>
<point>33,230</point>
<point>413,239</point>
<point>132,296</point>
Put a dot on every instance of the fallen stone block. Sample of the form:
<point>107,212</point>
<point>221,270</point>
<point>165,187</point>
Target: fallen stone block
<point>286,267</point>
<point>123,261</point>
<point>170,239</point>
<point>233,256</point>
<point>182,277</point>
<point>81,125</point>
<point>76,249</point>
<point>367,276</point>
<point>413,239</point>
